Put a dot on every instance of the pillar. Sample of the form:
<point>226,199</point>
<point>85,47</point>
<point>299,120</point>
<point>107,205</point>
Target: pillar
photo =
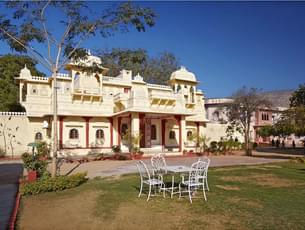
<point>135,125</point>
<point>111,130</point>
<point>182,134</point>
<point>20,92</point>
<point>119,130</point>
<point>163,125</point>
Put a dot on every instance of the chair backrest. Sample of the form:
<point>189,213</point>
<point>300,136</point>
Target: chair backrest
<point>143,171</point>
<point>158,164</point>
<point>207,161</point>
<point>198,170</point>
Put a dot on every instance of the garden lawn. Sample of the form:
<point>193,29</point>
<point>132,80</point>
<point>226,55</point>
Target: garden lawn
<point>268,196</point>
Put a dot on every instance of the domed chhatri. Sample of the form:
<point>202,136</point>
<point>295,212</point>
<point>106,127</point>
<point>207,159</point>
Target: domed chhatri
<point>183,75</point>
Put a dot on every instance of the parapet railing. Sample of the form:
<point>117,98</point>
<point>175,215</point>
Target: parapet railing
<point>12,113</point>
<point>158,86</point>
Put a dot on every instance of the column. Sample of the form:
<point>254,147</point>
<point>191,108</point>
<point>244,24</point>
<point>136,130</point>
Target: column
<point>20,92</point>
<point>111,130</point>
<point>163,125</point>
<point>182,134</point>
<point>135,125</point>
<point>119,130</point>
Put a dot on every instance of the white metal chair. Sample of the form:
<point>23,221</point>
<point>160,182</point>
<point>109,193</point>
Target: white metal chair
<point>205,176</point>
<point>148,180</point>
<point>158,165</point>
<point>195,180</point>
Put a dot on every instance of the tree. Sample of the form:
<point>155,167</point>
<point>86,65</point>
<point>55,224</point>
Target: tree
<point>27,23</point>
<point>10,66</point>
<point>245,103</point>
<point>155,70</point>
<point>298,97</point>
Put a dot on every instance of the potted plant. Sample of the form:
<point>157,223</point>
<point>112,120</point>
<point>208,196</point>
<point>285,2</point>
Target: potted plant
<point>34,166</point>
<point>133,142</point>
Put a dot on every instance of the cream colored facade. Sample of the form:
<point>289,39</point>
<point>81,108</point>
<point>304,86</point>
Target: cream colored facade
<point>94,110</point>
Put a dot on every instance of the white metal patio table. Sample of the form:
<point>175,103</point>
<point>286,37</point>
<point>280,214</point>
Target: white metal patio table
<point>176,169</point>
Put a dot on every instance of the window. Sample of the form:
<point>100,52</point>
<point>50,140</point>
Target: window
<point>172,134</point>
<point>99,134</point>
<point>126,90</point>
<point>153,132</point>
<point>38,136</point>
<point>73,134</point>
<point>34,90</point>
<point>178,88</point>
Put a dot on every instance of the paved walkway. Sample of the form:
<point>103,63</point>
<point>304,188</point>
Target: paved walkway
<point>116,168</point>
<point>10,173</point>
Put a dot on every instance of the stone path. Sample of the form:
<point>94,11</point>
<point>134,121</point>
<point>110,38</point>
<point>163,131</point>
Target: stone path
<point>116,168</point>
<point>10,173</point>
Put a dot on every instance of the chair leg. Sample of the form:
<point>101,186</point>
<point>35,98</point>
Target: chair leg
<point>205,197</point>
<point>207,185</point>
<point>190,194</point>
<point>149,193</point>
<point>163,189</point>
<point>179,191</point>
<point>140,189</point>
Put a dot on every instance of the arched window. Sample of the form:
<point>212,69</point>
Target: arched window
<point>38,136</point>
<point>189,135</point>
<point>99,134</point>
<point>73,134</point>
<point>77,81</point>
<point>153,132</point>
<point>178,88</point>
<point>172,134</point>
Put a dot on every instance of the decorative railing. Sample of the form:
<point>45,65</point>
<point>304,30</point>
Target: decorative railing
<point>63,75</point>
<point>91,91</point>
<point>114,79</point>
<point>12,113</point>
<point>162,95</point>
<point>39,78</point>
<point>158,86</point>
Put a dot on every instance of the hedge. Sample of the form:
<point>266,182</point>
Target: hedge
<point>53,184</point>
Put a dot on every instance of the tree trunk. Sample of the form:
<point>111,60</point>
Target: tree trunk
<point>55,147</point>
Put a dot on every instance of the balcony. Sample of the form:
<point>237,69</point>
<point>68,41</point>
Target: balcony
<point>120,100</point>
<point>90,94</point>
<point>158,98</point>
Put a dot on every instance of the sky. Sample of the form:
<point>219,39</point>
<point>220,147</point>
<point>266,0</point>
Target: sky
<point>227,45</point>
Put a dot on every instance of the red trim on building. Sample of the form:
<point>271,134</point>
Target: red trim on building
<point>119,130</point>
<point>197,125</point>
<point>61,128</point>
<point>87,119</point>
<point>163,123</point>
<point>111,130</point>
<point>178,118</point>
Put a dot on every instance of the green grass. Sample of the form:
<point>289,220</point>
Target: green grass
<point>245,197</point>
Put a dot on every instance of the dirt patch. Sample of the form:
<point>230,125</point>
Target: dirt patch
<point>249,203</point>
<point>228,187</point>
<point>263,180</point>
<point>64,211</point>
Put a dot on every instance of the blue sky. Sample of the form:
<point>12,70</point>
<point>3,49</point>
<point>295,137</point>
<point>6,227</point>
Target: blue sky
<point>226,44</point>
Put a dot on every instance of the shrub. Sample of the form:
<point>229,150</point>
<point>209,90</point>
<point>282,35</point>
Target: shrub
<point>2,153</point>
<point>43,149</point>
<point>32,162</point>
<point>116,148</point>
<point>213,146</point>
<point>48,184</point>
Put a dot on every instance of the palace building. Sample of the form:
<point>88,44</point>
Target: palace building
<point>95,111</point>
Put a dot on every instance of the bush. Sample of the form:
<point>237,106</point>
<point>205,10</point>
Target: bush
<point>116,148</point>
<point>213,146</point>
<point>32,162</point>
<point>2,153</point>
<point>48,184</point>
<point>43,149</point>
